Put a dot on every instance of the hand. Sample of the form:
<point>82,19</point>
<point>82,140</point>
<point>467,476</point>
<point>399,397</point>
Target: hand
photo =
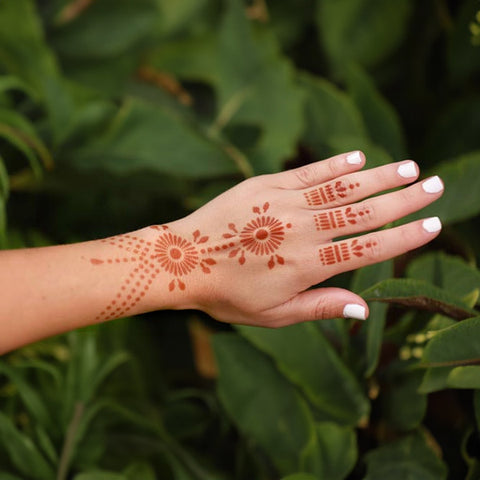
<point>250,255</point>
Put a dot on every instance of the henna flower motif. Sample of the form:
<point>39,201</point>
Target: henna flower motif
<point>175,254</point>
<point>261,236</point>
<point>179,257</point>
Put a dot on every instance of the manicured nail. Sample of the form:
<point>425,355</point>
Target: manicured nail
<point>352,310</point>
<point>432,224</point>
<point>354,158</point>
<point>433,185</point>
<point>407,170</point>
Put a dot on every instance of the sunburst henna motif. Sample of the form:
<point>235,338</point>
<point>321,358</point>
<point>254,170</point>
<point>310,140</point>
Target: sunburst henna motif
<point>261,236</point>
<point>171,253</point>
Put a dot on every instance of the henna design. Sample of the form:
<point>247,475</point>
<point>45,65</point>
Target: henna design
<point>329,193</point>
<point>337,218</point>
<point>174,254</point>
<point>261,236</point>
<point>343,251</point>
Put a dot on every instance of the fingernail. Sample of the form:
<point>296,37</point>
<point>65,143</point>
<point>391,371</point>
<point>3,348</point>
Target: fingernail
<point>352,310</point>
<point>354,158</point>
<point>407,170</point>
<point>432,224</point>
<point>433,185</point>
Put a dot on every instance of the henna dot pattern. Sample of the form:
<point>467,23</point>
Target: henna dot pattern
<point>338,218</point>
<point>263,235</point>
<point>171,253</point>
<point>343,251</point>
<point>329,193</point>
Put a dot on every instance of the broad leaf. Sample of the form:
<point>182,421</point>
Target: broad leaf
<point>373,329</point>
<point>148,138</point>
<point>381,120</point>
<point>329,115</point>
<point>464,377</point>
<point>257,87</point>
<point>100,476</point>
<point>434,379</point>
<point>25,54</point>
<point>419,294</point>
<point>363,31</point>
<point>306,358</point>
<point>402,406</point>
<point>454,346</point>
<point>446,271</point>
<point>411,457</point>
<point>333,452</point>
<point>300,476</point>
<point>461,199</point>
<point>264,405</point>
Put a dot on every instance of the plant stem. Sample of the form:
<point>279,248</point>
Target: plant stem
<point>69,442</point>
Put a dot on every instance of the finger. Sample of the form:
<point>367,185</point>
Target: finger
<point>319,172</point>
<point>378,211</point>
<point>357,186</point>
<point>319,304</point>
<point>337,257</point>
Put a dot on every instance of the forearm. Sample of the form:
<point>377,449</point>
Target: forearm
<point>50,290</point>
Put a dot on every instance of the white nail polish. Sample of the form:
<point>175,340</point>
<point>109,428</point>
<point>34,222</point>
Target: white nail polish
<point>354,158</point>
<point>433,185</point>
<point>432,225</point>
<point>407,170</point>
<point>352,310</point>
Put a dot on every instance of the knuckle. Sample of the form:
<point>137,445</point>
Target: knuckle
<point>306,176</point>
<point>319,309</point>
<point>373,246</point>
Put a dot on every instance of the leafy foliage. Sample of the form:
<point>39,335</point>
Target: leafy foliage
<point>116,114</point>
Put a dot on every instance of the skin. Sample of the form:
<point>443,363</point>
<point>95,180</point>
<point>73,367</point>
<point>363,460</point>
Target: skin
<point>249,256</point>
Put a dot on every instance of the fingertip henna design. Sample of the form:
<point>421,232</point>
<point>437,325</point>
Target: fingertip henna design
<point>329,193</point>
<point>343,251</point>
<point>338,218</point>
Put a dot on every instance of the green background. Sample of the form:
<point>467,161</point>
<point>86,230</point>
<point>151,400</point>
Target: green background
<point>117,114</point>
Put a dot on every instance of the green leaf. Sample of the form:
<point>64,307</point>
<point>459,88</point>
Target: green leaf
<point>300,476</point>
<point>461,199</point>
<point>464,377</point>
<point>440,145</point>
<point>257,87</point>
<point>463,58</point>
<point>330,115</point>
<point>4,181</point>
<point>362,31</point>
<point>381,120</point>
<point>100,476</point>
<point>140,471</point>
<point>435,379</point>
<point>20,448</point>
<point>9,476</point>
<point>333,453</point>
<point>446,271</point>
<point>25,130</point>
<point>373,329</point>
<point>30,397</point>
<point>307,359</point>
<point>419,294</point>
<point>87,36</point>
<point>10,82</point>
<point>25,54</point>
<point>144,137</point>
<point>403,407</point>
<point>411,457</point>
<point>454,346</point>
<point>264,405</point>
<point>179,14</point>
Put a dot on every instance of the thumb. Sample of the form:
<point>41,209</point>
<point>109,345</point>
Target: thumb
<point>319,304</point>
